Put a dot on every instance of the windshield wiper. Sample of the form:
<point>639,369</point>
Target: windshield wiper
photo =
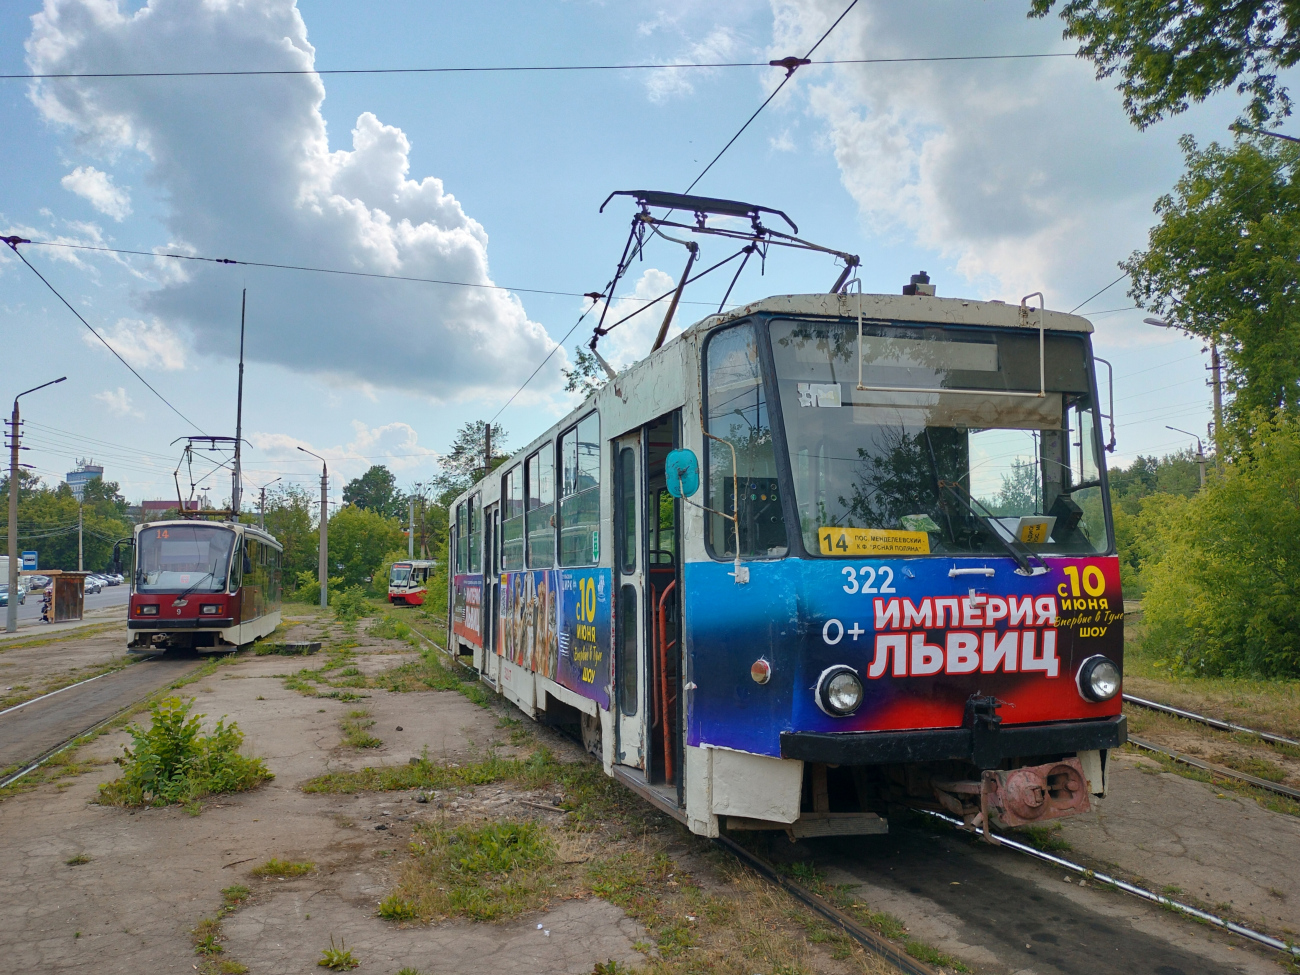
<point>1014,547</point>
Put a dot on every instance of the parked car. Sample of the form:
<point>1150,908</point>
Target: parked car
<point>4,594</point>
<point>113,579</point>
<point>93,585</point>
<point>37,583</point>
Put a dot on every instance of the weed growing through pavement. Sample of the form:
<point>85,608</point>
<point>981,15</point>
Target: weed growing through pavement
<point>171,761</point>
<point>351,605</point>
<point>77,860</point>
<point>276,867</point>
<point>1045,838</point>
<point>355,729</point>
<point>337,959</point>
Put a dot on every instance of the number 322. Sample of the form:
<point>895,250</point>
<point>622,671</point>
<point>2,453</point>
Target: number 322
<point>868,575</point>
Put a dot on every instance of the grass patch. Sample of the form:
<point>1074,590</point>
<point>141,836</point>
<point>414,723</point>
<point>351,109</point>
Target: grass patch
<point>1045,838</point>
<point>1269,800</point>
<point>77,860</point>
<point>337,959</point>
<point>23,692</point>
<point>355,730</point>
<point>276,867</point>
<point>172,762</point>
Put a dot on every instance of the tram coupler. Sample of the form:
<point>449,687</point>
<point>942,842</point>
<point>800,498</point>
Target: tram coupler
<point>1017,797</point>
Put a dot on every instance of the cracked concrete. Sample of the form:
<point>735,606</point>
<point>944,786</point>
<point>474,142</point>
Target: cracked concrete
<point>151,875</point>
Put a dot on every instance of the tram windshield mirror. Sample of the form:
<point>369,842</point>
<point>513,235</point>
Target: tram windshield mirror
<point>180,558</point>
<point>955,406</point>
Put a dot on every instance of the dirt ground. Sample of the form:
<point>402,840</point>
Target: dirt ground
<point>33,667</point>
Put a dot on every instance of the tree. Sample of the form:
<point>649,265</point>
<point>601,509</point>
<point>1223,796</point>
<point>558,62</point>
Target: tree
<point>359,540</point>
<point>1169,54</point>
<point>1224,263</point>
<point>464,464</point>
<point>47,522</point>
<point>586,376</point>
<point>289,519</point>
<point>376,490</point>
<point>1223,593</point>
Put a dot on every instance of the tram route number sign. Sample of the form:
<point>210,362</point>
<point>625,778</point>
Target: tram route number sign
<point>872,541</point>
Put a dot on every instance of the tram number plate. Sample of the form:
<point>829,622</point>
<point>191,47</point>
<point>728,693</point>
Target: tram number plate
<point>872,541</point>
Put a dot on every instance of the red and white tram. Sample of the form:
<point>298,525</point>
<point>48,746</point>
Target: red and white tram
<point>210,586</point>
<point>408,582</point>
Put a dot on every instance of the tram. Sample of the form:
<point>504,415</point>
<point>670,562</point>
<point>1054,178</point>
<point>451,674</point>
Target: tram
<point>408,582</point>
<point>817,558</point>
<point>207,586</point>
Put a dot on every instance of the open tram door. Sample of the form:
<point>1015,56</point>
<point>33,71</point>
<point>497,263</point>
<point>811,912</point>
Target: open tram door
<point>648,655</point>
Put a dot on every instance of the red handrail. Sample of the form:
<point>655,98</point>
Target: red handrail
<point>663,681</point>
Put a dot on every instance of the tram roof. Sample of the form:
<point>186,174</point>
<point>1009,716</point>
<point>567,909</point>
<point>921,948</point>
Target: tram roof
<point>904,308</point>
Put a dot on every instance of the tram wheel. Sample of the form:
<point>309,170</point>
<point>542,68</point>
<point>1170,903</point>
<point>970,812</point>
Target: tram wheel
<point>591,739</point>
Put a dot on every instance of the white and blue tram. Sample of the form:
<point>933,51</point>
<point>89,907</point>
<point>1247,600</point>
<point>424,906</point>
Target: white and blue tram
<point>780,588</point>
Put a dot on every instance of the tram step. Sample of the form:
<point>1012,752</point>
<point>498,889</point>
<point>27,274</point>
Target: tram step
<point>818,824</point>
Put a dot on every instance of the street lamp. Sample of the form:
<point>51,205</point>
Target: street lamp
<point>1200,450</point>
<point>1215,375</point>
<point>261,511</point>
<point>11,610</point>
<point>323,567</point>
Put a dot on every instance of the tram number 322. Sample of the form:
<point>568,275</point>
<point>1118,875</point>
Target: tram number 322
<point>864,580</point>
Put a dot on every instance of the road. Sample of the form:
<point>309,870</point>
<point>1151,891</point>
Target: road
<point>111,596</point>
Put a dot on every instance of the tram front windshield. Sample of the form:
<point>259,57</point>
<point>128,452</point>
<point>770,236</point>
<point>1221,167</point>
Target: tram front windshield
<point>939,442</point>
<point>398,575</point>
<point>181,558</point>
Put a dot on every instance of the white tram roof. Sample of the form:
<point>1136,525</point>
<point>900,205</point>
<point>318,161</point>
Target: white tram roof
<point>905,308</point>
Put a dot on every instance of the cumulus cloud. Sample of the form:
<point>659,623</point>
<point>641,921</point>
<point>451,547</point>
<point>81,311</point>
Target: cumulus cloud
<point>144,344</point>
<point>118,402</point>
<point>1025,174</point>
<point>719,44</point>
<point>97,187</point>
<point>250,173</point>
<point>395,445</point>
<point>631,341</point>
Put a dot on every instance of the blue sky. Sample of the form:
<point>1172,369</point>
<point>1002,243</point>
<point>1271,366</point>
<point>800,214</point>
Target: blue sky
<point>999,178</point>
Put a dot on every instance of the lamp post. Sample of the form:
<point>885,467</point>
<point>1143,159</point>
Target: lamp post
<point>1215,380</point>
<point>323,568</point>
<point>261,508</point>
<point>11,610</point>
<point>1200,450</point>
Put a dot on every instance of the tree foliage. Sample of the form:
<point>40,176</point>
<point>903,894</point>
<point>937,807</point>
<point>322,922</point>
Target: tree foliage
<point>586,376</point>
<point>1224,263</point>
<point>1223,580</point>
<point>464,464</point>
<point>47,522</point>
<point>359,540</point>
<point>376,490</point>
<point>1169,54</point>
<point>289,519</point>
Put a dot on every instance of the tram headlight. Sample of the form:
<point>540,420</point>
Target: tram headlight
<point>148,609</point>
<point>839,691</point>
<point>210,609</point>
<point>1098,679</point>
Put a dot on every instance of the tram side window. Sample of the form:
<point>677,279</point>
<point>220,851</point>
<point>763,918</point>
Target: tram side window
<point>237,566</point>
<point>737,404</point>
<point>475,541</point>
<point>540,469</point>
<point>462,532</point>
<point>580,494</point>
<point>512,520</point>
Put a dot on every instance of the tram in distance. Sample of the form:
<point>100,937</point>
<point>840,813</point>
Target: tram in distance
<point>815,558</point>
<point>201,585</point>
<point>408,582</point>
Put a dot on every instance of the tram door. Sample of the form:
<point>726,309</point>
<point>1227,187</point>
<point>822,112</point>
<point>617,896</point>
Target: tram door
<point>491,583</point>
<point>629,618</point>
<point>661,548</point>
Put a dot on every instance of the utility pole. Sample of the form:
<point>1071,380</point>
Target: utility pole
<point>236,475</point>
<point>322,570</point>
<point>15,428</point>
<point>1200,451</point>
<point>81,566</point>
<point>410,535</point>
<point>1216,378</point>
<point>487,449</point>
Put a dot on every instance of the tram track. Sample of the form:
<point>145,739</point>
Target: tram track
<point>1219,771</point>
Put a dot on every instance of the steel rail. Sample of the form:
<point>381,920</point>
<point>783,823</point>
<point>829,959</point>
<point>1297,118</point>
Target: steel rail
<point>1212,722</point>
<point>71,740</point>
<point>66,688</point>
<point>1213,769</point>
<point>1134,889</point>
<point>869,940</point>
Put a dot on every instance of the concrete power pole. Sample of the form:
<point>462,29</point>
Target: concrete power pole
<point>487,449</point>
<point>1216,379</point>
<point>322,571</point>
<point>15,427</point>
<point>81,565</point>
<point>237,475</point>
<point>410,537</point>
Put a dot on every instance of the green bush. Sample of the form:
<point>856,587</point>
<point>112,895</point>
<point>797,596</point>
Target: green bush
<point>1221,570</point>
<point>351,604</point>
<point>308,590</point>
<point>172,762</point>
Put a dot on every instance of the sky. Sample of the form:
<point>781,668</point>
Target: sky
<point>998,177</point>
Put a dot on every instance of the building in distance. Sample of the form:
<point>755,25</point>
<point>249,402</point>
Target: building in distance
<point>87,471</point>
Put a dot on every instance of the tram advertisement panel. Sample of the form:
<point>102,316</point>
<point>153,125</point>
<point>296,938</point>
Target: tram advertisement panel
<point>467,607</point>
<point>529,616</point>
<point>922,641</point>
<point>584,632</point>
